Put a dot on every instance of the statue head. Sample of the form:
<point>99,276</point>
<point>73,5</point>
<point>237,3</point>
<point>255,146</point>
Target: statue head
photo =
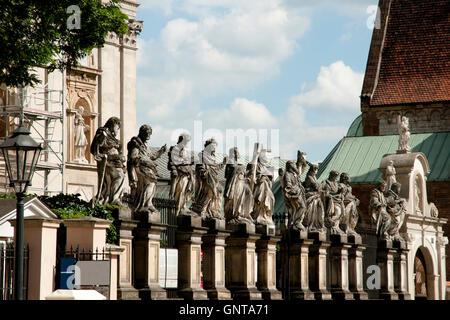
<point>80,110</point>
<point>145,131</point>
<point>233,155</point>
<point>345,178</point>
<point>291,166</point>
<point>382,186</point>
<point>263,156</point>
<point>113,125</point>
<point>313,168</point>
<point>210,145</point>
<point>396,187</point>
<point>184,139</point>
<point>333,175</point>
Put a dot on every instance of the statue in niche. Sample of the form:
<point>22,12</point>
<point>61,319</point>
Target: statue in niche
<point>80,140</point>
<point>238,191</point>
<point>264,199</point>
<point>142,172</point>
<point>111,169</point>
<point>396,208</point>
<point>333,203</point>
<point>182,178</point>
<point>417,195</point>
<point>208,193</point>
<point>315,211</point>
<point>294,195</point>
<point>350,217</point>
<point>390,174</point>
<point>404,134</point>
<point>377,209</point>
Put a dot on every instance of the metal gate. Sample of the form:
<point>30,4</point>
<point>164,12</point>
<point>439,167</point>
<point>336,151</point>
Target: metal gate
<point>7,265</point>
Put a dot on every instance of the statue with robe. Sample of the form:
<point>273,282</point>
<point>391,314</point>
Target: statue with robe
<point>142,172</point>
<point>111,169</point>
<point>390,175</point>
<point>350,217</point>
<point>264,199</point>
<point>238,191</point>
<point>377,209</point>
<point>182,175</point>
<point>333,203</point>
<point>396,208</point>
<point>80,140</point>
<point>403,134</point>
<point>315,211</point>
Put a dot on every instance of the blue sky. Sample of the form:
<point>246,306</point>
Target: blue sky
<point>290,70</point>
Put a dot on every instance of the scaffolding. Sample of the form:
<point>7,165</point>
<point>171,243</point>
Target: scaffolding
<point>42,110</point>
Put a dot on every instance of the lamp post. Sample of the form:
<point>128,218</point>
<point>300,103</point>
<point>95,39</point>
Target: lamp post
<point>21,154</point>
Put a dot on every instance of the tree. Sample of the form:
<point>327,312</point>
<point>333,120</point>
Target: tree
<point>54,34</point>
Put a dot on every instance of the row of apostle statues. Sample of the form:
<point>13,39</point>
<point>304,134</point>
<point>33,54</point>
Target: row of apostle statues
<point>247,195</point>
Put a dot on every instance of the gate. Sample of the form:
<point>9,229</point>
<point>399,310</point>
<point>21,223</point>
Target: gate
<point>7,264</point>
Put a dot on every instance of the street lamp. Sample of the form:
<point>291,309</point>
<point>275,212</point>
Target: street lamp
<point>21,154</point>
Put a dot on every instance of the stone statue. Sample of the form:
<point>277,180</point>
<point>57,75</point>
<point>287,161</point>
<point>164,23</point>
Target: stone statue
<point>208,193</point>
<point>404,134</point>
<point>350,217</point>
<point>264,199</point>
<point>396,208</point>
<point>434,212</point>
<point>142,173</point>
<point>314,206</point>
<point>111,169</point>
<point>377,209</point>
<point>238,192</point>
<point>80,140</point>
<point>182,178</point>
<point>390,175</point>
<point>294,195</point>
<point>417,196</point>
<point>333,203</point>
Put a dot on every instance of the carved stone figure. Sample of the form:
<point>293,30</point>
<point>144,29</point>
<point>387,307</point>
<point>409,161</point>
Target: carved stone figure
<point>417,196</point>
<point>238,191</point>
<point>80,140</point>
<point>182,178</point>
<point>315,211</point>
<point>404,134</point>
<point>263,195</point>
<point>142,173</point>
<point>390,174</point>
<point>333,202</point>
<point>434,212</point>
<point>294,195</point>
<point>377,209</point>
<point>208,193</point>
<point>396,208</point>
<point>111,168</point>
<point>350,217</point>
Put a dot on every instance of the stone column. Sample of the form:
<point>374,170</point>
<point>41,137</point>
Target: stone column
<point>401,271</point>
<point>189,240</point>
<point>266,251</point>
<point>240,276</point>
<point>113,252</point>
<point>213,247</point>
<point>318,266</point>
<point>385,260</point>
<point>355,265</point>
<point>125,289</point>
<point>88,233</point>
<point>147,238</point>
<point>40,236</point>
<point>339,268</point>
<point>295,257</point>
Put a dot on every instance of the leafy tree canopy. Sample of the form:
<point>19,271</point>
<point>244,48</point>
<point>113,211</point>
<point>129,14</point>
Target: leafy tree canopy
<point>45,33</point>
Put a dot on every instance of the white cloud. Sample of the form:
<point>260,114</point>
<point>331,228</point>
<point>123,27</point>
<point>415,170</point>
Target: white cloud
<point>337,87</point>
<point>166,6</point>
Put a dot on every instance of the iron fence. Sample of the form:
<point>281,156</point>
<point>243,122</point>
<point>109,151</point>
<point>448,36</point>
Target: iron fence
<point>167,209</point>
<point>7,267</point>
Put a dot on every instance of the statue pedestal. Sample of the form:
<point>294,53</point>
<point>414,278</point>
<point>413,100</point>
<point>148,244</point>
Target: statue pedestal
<point>355,265</point>
<point>385,260</point>
<point>400,271</point>
<point>147,238</point>
<point>189,240</point>
<point>318,266</point>
<point>295,254</point>
<point>125,226</point>
<point>213,247</point>
<point>339,268</point>
<point>240,262</point>
<point>267,269</point>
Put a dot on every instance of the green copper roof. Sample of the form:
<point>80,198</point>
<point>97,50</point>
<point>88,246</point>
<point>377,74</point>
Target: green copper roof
<point>360,156</point>
<point>355,129</point>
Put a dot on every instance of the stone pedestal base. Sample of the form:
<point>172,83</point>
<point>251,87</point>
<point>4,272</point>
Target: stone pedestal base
<point>339,268</point>
<point>127,293</point>
<point>385,260</point>
<point>355,266</point>
<point>318,266</point>
<point>266,251</point>
<point>147,238</point>
<point>213,247</point>
<point>189,240</point>
<point>400,271</point>
<point>295,255</point>
<point>240,262</point>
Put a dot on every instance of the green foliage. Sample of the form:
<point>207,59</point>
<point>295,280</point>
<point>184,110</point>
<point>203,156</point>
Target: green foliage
<point>35,33</point>
<point>69,206</point>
